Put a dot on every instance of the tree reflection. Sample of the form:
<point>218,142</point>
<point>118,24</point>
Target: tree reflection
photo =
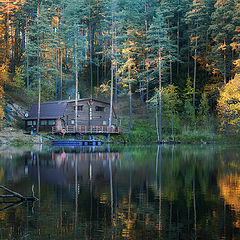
<point>161,192</point>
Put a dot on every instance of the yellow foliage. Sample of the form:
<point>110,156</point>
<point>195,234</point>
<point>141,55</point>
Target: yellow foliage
<point>1,102</point>
<point>222,47</point>
<point>3,81</point>
<point>229,104</point>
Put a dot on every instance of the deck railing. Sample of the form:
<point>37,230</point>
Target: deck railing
<point>88,130</point>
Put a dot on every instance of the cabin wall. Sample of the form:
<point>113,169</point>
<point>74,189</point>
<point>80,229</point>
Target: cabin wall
<point>45,128</point>
<point>88,114</point>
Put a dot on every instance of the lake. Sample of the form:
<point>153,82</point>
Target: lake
<point>116,192</point>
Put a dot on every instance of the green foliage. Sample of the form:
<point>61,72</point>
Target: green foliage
<point>203,111</point>
<point>170,97</point>
<point>142,133</point>
<point>171,125</point>
<point>188,91</point>
<point>170,106</point>
<point>145,35</point>
<point>189,113</point>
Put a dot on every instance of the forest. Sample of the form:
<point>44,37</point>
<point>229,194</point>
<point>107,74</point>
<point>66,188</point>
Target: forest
<point>177,58</point>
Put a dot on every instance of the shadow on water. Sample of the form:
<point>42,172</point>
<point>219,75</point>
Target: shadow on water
<point>142,192</point>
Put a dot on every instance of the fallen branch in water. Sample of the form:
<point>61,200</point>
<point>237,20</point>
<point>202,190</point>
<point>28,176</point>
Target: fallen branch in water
<point>18,195</point>
<point>15,204</point>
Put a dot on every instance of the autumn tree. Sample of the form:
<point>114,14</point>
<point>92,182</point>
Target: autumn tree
<point>229,105</point>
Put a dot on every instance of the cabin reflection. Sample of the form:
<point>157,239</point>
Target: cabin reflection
<point>59,168</point>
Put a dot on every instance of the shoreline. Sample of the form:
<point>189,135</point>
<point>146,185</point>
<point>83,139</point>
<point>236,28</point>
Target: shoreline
<point>22,139</point>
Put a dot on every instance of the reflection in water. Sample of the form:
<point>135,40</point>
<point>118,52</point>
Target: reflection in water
<point>158,192</point>
<point>62,168</point>
<point>229,186</point>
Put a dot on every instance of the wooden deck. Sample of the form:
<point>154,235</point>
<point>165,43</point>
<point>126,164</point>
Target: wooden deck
<point>88,130</point>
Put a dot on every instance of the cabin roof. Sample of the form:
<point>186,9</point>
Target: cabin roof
<point>49,110</point>
<point>80,100</point>
<point>55,109</point>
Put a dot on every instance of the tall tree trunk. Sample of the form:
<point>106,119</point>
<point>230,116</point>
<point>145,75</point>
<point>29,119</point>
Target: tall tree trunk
<point>27,53</point>
<point>225,64</point>
<point>39,98</point>
<point>170,62</point>
<point>195,72</point>
<point>105,66</point>
<point>56,81</point>
<point>130,96</point>
<point>147,92</point>
<point>116,84</point>
<point>111,97</point>
<point>146,31</point>
<point>188,66</point>
<point>90,49</point>
<point>12,57</point>
<point>61,77</point>
<point>112,72</point>
<point>7,34</point>
<point>170,72</point>
<point>156,120</point>
<point>39,82</point>
<point>98,75</point>
<point>160,97</point>
<point>115,67</point>
<point>76,93</point>
<point>178,37</point>
<point>76,86</point>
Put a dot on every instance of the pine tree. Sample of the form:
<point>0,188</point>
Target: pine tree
<point>197,18</point>
<point>41,51</point>
<point>74,15</point>
<point>131,29</point>
<point>161,47</point>
<point>222,30</point>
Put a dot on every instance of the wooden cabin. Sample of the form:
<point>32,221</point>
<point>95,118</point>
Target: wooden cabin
<point>59,116</point>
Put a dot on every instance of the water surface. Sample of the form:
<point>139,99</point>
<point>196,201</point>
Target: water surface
<point>143,192</point>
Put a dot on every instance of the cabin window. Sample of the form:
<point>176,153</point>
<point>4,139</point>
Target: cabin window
<point>104,123</point>
<point>29,123</point>
<point>43,122</point>
<point>99,109</point>
<point>79,108</point>
<point>34,123</point>
<point>51,122</point>
<point>72,121</point>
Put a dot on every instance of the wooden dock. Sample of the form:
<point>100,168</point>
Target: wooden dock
<point>89,130</point>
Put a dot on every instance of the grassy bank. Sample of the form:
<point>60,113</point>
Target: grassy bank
<point>144,132</point>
